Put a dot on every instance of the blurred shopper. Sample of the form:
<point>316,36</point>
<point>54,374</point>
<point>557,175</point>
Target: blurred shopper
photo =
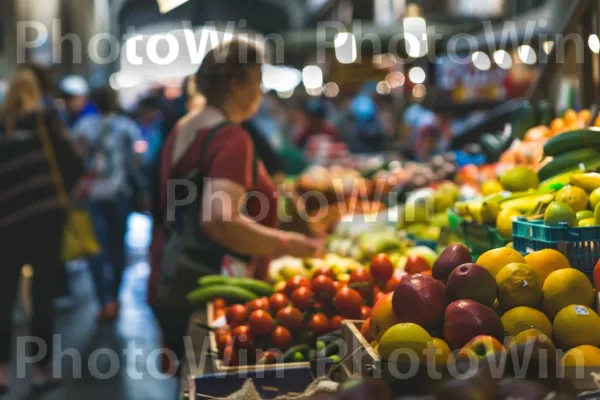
<point>314,123</point>
<point>36,161</point>
<point>75,91</point>
<point>150,120</point>
<point>214,143</point>
<point>111,168</point>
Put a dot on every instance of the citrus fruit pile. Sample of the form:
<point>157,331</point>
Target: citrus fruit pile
<point>467,309</point>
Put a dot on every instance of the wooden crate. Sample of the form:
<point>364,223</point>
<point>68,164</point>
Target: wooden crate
<point>363,361</point>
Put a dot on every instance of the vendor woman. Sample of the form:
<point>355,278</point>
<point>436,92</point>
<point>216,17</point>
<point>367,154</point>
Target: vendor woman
<point>213,142</point>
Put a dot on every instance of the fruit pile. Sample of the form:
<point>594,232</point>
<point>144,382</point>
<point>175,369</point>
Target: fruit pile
<point>475,310</point>
<point>288,325</point>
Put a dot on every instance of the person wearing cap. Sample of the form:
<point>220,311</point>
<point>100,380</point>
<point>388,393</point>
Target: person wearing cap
<point>75,91</point>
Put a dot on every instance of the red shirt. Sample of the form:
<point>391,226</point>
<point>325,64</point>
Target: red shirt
<point>229,156</point>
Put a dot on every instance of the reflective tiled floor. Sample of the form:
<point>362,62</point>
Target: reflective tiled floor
<point>129,377</point>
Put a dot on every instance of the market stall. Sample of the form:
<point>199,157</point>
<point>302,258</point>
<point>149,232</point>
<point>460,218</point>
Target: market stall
<point>439,281</point>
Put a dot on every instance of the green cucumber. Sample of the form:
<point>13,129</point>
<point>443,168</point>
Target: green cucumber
<point>231,294</point>
<point>257,287</point>
<point>209,280</point>
<point>568,161</point>
<point>260,288</point>
<point>574,140</point>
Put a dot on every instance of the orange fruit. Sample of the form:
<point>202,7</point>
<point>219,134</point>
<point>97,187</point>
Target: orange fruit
<point>570,117</point>
<point>518,285</point>
<point>496,259</point>
<point>382,317</point>
<point>565,287</point>
<point>585,116</point>
<point>582,356</point>
<point>557,125</point>
<point>544,262</point>
<point>576,325</point>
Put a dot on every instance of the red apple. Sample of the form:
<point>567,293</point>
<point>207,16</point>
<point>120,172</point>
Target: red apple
<point>466,319</point>
<point>480,347</point>
<point>416,264</point>
<point>451,258</point>
<point>419,299</point>
<point>471,281</point>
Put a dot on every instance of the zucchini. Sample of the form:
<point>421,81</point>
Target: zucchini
<point>231,294</point>
<point>568,161</point>
<point>574,140</point>
<point>209,280</point>
<point>255,286</point>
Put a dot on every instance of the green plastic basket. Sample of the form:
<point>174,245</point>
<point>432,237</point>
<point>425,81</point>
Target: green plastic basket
<point>478,237</point>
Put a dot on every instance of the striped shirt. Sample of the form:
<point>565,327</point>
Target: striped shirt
<point>27,190</point>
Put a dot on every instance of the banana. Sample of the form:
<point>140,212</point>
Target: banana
<point>474,208</point>
<point>589,181</point>
<point>528,203</point>
<point>489,212</point>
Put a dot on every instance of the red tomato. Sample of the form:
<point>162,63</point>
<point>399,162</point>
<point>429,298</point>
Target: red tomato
<point>236,315</point>
<point>302,298</point>
<point>223,341</point>
<point>242,337</point>
<point>392,283</point>
<point>290,317</point>
<point>416,264</point>
<point>362,279</point>
<point>365,313</point>
<point>597,276</point>
<point>231,356</point>
<point>281,338</point>
<point>324,271</point>
<point>335,323</point>
<point>219,303</point>
<point>294,283</point>
<point>261,322</point>
<point>348,302</point>
<point>382,268</point>
<point>258,304</point>
<point>319,324</point>
<point>322,286</point>
<point>277,302</point>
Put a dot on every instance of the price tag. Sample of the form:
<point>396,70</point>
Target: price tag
<point>580,310</point>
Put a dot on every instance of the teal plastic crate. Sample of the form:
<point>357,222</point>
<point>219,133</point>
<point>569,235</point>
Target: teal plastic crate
<point>580,245</point>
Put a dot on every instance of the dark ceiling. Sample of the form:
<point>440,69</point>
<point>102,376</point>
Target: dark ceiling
<point>264,16</point>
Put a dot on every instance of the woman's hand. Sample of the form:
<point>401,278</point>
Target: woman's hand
<point>302,246</point>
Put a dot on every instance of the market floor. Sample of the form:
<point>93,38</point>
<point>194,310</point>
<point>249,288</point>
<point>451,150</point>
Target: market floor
<point>129,377</point>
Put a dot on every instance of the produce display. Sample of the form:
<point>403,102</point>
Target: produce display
<point>289,324</point>
<point>480,263</point>
<point>489,308</point>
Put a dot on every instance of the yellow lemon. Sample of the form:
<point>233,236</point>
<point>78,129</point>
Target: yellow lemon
<point>518,285</point>
<point>582,356</point>
<point>576,325</point>
<point>546,261</point>
<point>587,222</point>
<point>491,187</point>
<point>404,336</point>
<point>564,287</point>
<point>573,196</point>
<point>520,319</point>
<point>496,259</point>
<point>443,352</point>
<point>504,221</point>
